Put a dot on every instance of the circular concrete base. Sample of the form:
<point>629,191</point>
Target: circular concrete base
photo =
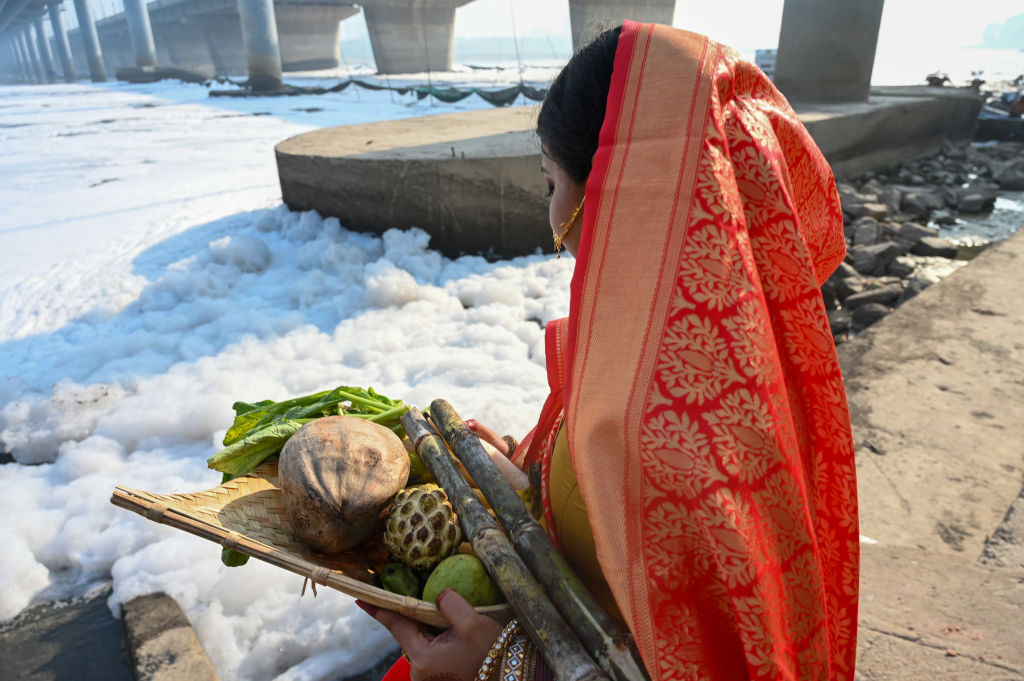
<point>471,180</point>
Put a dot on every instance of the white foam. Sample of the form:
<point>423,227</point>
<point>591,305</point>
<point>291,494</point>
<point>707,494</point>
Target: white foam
<point>123,346</point>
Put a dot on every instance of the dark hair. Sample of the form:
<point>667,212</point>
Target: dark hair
<point>570,118</point>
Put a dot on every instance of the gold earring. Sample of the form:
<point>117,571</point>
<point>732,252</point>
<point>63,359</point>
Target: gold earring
<point>567,227</point>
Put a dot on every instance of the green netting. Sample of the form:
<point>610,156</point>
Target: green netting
<point>502,97</point>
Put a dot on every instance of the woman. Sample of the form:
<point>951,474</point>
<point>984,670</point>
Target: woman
<point>695,452</point>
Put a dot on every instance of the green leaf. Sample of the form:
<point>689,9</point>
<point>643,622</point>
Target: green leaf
<point>233,558</point>
<point>249,452</point>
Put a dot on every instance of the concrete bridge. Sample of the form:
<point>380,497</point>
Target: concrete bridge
<point>208,37</point>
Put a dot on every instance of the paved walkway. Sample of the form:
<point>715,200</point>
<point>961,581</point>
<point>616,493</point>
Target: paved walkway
<point>936,395</point>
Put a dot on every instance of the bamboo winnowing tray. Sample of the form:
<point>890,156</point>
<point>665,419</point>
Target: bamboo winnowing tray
<point>247,515</point>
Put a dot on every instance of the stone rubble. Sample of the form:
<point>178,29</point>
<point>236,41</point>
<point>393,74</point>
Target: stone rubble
<point>890,221</point>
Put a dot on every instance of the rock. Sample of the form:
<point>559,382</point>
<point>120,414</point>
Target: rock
<point>935,246</point>
<point>977,197</point>
<point>848,286</point>
<point>872,186</point>
<point>828,294</point>
<point>914,286</point>
<point>865,231</point>
<point>891,197</point>
<point>875,258</point>
<point>849,195</point>
<point>885,295</point>
<point>912,232</point>
<point>1009,175</point>
<point>844,270</point>
<point>901,267</point>
<point>839,322</point>
<point>921,203</point>
<point>943,217</point>
<point>866,315</point>
<point>951,195</point>
<point>870,209</point>
<point>971,203</point>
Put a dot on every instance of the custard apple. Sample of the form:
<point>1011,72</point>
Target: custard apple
<point>421,529</point>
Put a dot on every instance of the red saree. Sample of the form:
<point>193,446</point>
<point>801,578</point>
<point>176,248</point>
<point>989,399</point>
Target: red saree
<point>705,413</point>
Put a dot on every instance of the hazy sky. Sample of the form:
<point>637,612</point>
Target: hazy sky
<point>954,22</point>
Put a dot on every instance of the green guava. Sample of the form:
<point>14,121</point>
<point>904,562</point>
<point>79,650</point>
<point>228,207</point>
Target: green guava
<point>400,579</point>
<point>467,575</point>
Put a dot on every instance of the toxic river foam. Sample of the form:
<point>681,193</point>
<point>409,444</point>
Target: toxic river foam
<point>153,279</point>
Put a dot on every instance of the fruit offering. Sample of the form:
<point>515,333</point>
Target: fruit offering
<point>421,528</point>
<point>467,575</point>
<point>337,474</point>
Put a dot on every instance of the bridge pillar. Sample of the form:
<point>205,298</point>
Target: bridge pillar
<point>33,54</point>
<point>44,50</point>
<point>186,46</point>
<point>90,41</point>
<point>18,72</point>
<point>411,36</point>
<point>141,32</point>
<point>60,37</point>
<point>223,35</point>
<point>77,51</point>
<point>827,50</point>
<point>309,35</point>
<point>262,51</point>
<point>24,71</point>
<point>588,18</point>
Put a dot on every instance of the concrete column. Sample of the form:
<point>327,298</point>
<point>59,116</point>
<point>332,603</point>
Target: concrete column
<point>141,32</point>
<point>60,37</point>
<point>223,35</point>
<point>309,35</point>
<point>90,41</point>
<point>589,18</point>
<point>413,36</point>
<point>263,54</point>
<point>16,68</point>
<point>27,72</point>
<point>44,50</point>
<point>78,51</point>
<point>827,50</point>
<point>33,55</point>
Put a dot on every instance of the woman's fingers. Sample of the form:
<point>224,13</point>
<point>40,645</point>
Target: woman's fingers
<point>488,436</point>
<point>465,620</point>
<point>508,470</point>
<point>406,632</point>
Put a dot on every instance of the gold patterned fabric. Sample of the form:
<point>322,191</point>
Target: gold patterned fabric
<point>696,376</point>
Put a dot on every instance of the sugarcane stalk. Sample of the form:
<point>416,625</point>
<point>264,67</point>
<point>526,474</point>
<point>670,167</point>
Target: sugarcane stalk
<point>607,641</point>
<point>546,628</point>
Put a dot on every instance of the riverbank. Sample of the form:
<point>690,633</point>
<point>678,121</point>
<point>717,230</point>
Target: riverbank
<point>910,225</point>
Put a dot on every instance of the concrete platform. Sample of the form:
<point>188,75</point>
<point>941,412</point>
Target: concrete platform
<point>936,393</point>
<point>472,179</point>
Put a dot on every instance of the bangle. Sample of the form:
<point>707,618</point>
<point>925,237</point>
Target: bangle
<point>497,651</point>
<point>511,443</point>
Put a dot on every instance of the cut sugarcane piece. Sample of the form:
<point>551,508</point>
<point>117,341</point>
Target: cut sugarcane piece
<point>560,648</point>
<point>604,638</point>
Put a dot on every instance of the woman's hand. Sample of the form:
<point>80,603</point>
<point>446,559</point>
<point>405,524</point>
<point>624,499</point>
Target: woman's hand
<point>453,655</point>
<point>497,449</point>
<point>488,436</point>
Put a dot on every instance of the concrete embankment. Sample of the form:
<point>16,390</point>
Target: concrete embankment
<point>936,394</point>
<point>472,179</point>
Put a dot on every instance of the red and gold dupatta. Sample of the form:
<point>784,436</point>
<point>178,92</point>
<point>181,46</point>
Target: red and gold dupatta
<point>705,412</point>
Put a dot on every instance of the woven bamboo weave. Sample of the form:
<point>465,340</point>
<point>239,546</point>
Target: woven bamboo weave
<point>247,514</point>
